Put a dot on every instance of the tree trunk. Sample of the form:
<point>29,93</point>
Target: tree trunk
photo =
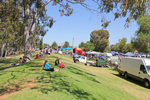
<point>17,51</point>
<point>2,50</point>
<point>5,53</point>
<point>6,50</point>
<point>9,51</point>
<point>29,32</point>
<point>27,52</point>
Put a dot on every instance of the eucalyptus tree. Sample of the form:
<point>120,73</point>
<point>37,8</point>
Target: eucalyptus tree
<point>34,14</point>
<point>100,39</point>
<point>66,44</point>
<point>10,15</point>
<point>54,45</point>
<point>141,41</point>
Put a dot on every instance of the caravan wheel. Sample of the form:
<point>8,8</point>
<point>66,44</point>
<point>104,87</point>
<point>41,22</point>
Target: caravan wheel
<point>146,84</point>
<point>120,74</point>
<point>125,75</point>
<point>76,61</point>
<point>88,64</point>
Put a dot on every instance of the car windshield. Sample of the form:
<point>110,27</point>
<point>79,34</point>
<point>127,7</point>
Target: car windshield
<point>148,69</point>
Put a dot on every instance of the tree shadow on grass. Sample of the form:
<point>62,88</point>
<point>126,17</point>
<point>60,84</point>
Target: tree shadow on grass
<point>57,83</point>
<point>4,68</point>
<point>129,79</point>
<point>28,64</point>
<point>6,61</point>
<point>82,73</point>
<point>114,69</point>
<point>10,89</point>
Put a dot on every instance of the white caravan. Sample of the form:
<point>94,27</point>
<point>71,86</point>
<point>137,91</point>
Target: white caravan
<point>137,68</point>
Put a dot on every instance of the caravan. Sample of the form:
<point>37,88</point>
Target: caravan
<point>137,68</point>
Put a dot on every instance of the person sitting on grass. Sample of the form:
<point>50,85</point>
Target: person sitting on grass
<point>24,59</point>
<point>61,65</point>
<point>57,61</point>
<point>41,54</point>
<point>48,67</point>
<point>37,56</point>
<point>20,61</point>
<point>17,63</point>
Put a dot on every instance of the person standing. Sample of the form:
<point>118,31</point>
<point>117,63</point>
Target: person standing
<point>46,52</point>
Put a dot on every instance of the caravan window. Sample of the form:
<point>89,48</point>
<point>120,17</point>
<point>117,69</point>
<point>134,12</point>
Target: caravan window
<point>148,69</point>
<point>142,68</point>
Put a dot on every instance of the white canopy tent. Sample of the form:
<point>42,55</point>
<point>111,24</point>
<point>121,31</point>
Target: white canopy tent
<point>93,52</point>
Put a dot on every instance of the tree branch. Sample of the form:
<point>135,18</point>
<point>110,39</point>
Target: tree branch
<point>47,2</point>
<point>84,5</point>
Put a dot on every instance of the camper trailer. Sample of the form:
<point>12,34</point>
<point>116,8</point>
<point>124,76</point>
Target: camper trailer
<point>137,68</point>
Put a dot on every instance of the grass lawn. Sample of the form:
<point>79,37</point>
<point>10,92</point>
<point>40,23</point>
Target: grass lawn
<point>78,82</point>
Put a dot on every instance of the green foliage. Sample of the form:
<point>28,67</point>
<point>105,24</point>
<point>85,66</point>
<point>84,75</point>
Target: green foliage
<point>81,45</point>
<point>87,46</point>
<point>46,45</point>
<point>115,47</point>
<point>142,42</point>
<point>66,44</point>
<point>129,47</point>
<point>122,8</point>
<point>107,49</point>
<point>122,45</point>
<point>41,44</point>
<point>54,45</point>
<point>11,27</point>
<point>100,39</point>
<point>144,24</point>
<point>142,39</point>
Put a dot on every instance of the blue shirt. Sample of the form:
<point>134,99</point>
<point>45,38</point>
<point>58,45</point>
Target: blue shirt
<point>47,66</point>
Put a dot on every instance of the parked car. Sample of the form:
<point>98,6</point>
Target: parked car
<point>83,59</point>
<point>108,54</point>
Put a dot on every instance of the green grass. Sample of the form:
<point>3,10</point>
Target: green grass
<point>78,82</point>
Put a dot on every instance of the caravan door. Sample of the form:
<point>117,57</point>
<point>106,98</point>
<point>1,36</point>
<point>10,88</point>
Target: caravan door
<point>142,72</point>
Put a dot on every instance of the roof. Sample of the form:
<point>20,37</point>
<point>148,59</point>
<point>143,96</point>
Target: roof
<point>92,52</point>
<point>67,48</point>
<point>129,54</point>
<point>102,56</point>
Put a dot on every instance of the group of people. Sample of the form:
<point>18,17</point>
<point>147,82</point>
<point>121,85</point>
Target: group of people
<point>19,62</point>
<point>60,64</point>
<point>39,55</point>
<point>57,63</point>
<point>42,53</point>
<point>46,66</point>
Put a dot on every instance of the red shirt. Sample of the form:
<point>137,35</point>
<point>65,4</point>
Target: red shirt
<point>61,65</point>
<point>37,56</point>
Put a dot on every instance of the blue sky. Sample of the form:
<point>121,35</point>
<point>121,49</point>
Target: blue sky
<point>81,23</point>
